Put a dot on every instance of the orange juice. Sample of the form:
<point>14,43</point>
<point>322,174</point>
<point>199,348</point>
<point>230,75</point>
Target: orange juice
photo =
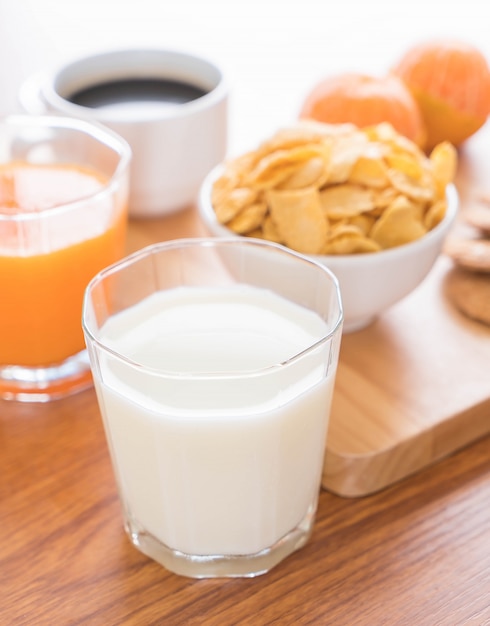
<point>48,255</point>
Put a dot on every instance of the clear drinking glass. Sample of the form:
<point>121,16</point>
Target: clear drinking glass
<point>214,363</point>
<point>63,217</point>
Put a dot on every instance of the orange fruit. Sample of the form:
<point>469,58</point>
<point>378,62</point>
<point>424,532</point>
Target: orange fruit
<point>451,82</point>
<point>365,101</point>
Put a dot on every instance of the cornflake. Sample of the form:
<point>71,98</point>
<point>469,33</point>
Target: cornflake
<point>335,189</point>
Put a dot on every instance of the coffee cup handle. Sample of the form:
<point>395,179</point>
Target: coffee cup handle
<point>30,95</point>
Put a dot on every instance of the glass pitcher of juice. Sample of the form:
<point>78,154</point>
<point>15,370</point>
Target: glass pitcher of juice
<point>63,217</point>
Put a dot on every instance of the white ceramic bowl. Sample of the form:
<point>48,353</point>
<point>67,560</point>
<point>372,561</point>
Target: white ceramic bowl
<point>369,283</point>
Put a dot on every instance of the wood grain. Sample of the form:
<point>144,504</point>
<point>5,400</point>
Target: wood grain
<point>411,389</point>
<point>417,553</point>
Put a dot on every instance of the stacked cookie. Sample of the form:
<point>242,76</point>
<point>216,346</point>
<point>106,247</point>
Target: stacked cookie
<point>468,283</point>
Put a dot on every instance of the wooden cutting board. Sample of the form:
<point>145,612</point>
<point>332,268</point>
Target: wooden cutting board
<point>412,388</point>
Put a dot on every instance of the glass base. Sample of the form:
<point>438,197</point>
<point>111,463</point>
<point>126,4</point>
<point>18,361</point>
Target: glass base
<point>222,566</point>
<point>42,384</point>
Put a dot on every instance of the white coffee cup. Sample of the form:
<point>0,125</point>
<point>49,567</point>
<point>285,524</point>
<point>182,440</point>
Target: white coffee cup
<point>174,145</point>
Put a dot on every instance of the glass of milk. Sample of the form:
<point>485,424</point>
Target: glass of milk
<point>214,363</point>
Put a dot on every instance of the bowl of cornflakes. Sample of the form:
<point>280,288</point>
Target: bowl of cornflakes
<point>368,204</point>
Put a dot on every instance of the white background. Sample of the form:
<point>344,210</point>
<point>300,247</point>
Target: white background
<point>273,51</point>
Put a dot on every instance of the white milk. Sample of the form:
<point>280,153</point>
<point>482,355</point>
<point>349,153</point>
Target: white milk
<point>216,464</point>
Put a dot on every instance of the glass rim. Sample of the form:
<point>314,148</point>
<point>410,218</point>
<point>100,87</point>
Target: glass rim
<point>211,242</point>
<point>98,132</point>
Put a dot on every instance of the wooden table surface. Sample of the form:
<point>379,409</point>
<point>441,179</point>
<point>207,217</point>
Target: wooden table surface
<point>414,554</point>
<point>417,553</point>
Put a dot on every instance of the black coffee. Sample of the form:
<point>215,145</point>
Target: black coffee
<point>139,92</point>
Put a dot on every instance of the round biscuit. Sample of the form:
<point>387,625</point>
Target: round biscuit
<point>472,254</point>
<point>469,292</point>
